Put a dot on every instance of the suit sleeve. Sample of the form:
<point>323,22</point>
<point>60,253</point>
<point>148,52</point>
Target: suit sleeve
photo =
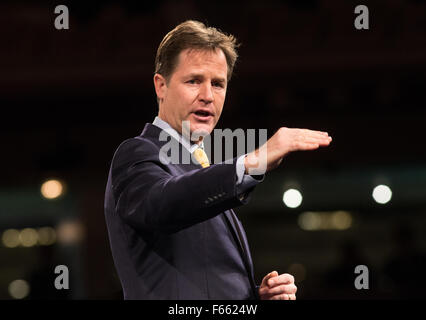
<point>147,196</point>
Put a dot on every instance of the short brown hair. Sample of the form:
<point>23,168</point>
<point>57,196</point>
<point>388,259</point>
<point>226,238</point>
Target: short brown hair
<point>193,35</point>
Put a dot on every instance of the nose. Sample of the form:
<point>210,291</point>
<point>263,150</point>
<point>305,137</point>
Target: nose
<point>206,94</point>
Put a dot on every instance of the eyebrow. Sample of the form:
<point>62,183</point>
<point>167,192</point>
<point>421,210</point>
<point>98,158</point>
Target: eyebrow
<point>198,75</point>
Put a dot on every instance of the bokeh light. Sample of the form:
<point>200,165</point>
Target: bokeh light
<point>10,238</point>
<point>382,194</point>
<point>19,289</point>
<point>46,236</point>
<point>292,198</point>
<point>52,189</point>
<point>28,237</point>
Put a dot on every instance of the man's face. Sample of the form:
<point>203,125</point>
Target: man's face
<point>195,92</point>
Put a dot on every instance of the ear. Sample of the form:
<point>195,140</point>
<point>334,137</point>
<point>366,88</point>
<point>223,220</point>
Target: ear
<point>160,86</point>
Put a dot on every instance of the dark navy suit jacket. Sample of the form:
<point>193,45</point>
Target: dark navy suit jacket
<point>172,230</point>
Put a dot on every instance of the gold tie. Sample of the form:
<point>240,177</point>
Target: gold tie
<point>201,157</point>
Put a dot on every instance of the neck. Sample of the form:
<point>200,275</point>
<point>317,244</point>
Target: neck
<point>179,130</point>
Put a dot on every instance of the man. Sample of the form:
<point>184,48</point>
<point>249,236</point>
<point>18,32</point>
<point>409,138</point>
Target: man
<point>172,230</point>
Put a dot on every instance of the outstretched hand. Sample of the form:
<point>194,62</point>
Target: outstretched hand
<point>284,141</point>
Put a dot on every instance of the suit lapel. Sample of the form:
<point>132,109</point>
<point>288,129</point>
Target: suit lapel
<point>244,242</point>
<point>236,230</point>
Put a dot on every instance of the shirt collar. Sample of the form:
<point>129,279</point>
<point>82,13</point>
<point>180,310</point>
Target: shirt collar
<point>191,147</point>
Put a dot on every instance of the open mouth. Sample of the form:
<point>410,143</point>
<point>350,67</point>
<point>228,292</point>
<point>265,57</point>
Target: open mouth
<point>203,115</point>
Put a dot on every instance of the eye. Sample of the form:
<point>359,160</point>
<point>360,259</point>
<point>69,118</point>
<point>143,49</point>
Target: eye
<point>192,81</point>
<point>218,84</point>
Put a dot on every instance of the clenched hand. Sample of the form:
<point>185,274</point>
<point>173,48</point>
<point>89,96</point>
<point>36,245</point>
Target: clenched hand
<point>278,287</point>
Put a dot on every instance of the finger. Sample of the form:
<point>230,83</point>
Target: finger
<point>318,140</point>
<point>283,296</point>
<point>284,288</point>
<point>317,136</point>
<point>320,143</point>
<point>323,133</point>
<point>325,142</point>
<point>316,133</point>
<point>268,276</point>
<point>292,296</point>
<point>284,278</point>
<point>311,144</point>
<point>306,146</point>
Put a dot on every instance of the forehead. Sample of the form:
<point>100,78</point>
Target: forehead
<point>202,61</point>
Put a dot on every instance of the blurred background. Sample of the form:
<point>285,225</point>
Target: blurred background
<point>69,97</point>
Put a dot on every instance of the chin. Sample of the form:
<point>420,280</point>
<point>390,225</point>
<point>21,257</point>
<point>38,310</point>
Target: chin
<point>201,130</point>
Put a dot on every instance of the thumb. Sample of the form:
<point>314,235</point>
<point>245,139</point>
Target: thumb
<point>268,276</point>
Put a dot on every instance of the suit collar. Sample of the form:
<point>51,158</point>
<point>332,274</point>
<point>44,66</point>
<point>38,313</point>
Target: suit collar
<point>190,146</point>
<point>152,133</point>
